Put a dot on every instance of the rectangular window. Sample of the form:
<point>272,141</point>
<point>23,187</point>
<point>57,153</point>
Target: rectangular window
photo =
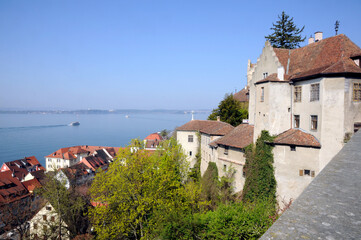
<point>190,153</point>
<point>356,126</point>
<point>35,226</point>
<point>225,167</point>
<point>44,217</point>
<point>315,92</point>
<point>293,148</point>
<point>357,92</point>
<point>52,219</point>
<point>297,121</point>
<point>190,138</point>
<point>226,150</point>
<point>298,93</point>
<point>313,122</point>
<point>48,208</point>
<point>307,172</point>
<point>262,94</point>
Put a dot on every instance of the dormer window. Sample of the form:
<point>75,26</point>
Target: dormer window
<point>357,61</point>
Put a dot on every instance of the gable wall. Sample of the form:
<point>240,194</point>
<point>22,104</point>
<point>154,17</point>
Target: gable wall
<point>267,62</point>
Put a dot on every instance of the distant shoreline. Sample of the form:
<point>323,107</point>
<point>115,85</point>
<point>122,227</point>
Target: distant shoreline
<point>97,111</point>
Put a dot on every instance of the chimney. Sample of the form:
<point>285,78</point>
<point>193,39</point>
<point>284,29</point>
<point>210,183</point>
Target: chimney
<point>318,36</point>
<point>311,40</point>
<point>218,118</point>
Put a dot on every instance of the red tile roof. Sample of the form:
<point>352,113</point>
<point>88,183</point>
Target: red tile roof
<point>239,137</point>
<point>328,56</point>
<point>21,167</point>
<point>94,162</point>
<point>30,185</point>
<point>298,138</point>
<point>11,189</point>
<point>75,171</point>
<point>71,152</point>
<point>272,78</point>
<point>154,136</point>
<point>242,95</point>
<point>207,126</point>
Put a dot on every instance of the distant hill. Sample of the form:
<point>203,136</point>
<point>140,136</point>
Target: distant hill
<point>99,111</point>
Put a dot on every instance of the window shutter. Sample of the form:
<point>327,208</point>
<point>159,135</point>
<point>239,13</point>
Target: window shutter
<point>312,173</point>
<point>301,172</point>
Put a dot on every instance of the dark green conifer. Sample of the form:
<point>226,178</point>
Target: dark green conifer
<point>286,34</point>
<point>230,111</point>
<point>260,181</point>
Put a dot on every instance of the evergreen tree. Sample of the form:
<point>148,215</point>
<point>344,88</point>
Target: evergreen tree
<point>210,185</point>
<point>260,181</point>
<point>286,34</point>
<point>230,111</point>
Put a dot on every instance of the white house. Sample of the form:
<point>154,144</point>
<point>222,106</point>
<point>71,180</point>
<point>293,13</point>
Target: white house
<point>188,136</point>
<point>230,153</point>
<point>311,98</point>
<point>66,157</point>
<point>45,224</point>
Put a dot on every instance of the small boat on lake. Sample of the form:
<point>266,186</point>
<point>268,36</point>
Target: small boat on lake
<point>74,124</point>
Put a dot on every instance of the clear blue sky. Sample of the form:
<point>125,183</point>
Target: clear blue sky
<point>147,54</point>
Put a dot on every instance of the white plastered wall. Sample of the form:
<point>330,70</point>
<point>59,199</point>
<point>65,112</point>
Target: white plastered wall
<point>182,137</point>
<point>234,160</point>
<point>287,165</point>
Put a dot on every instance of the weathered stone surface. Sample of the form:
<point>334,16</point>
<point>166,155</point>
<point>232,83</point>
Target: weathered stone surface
<point>330,207</point>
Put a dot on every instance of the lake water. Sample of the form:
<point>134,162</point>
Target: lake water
<point>41,134</point>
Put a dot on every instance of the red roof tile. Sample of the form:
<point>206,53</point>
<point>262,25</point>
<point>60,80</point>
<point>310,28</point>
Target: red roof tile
<point>239,137</point>
<point>21,167</point>
<point>75,171</point>
<point>154,136</point>
<point>298,138</point>
<point>11,189</point>
<point>207,126</point>
<point>94,162</point>
<point>330,55</point>
<point>71,152</point>
<point>272,78</point>
<point>242,95</point>
<point>30,185</point>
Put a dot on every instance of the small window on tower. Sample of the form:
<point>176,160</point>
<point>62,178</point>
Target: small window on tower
<point>226,148</point>
<point>297,121</point>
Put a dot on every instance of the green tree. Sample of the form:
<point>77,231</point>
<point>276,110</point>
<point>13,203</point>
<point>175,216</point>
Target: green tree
<point>164,133</point>
<point>285,33</point>
<point>260,180</point>
<point>229,110</point>
<point>210,185</point>
<point>140,191</point>
<point>70,206</point>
